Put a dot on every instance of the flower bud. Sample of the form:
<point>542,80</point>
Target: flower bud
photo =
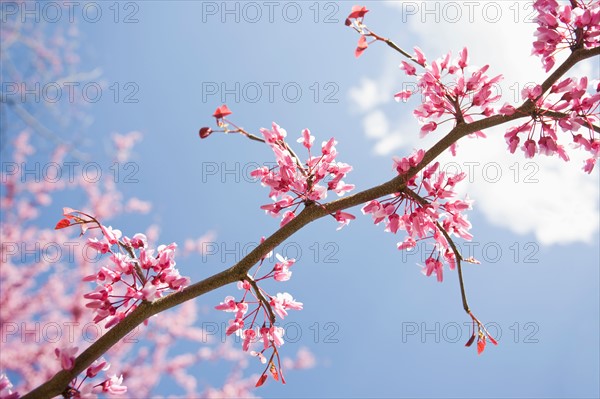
<point>205,132</point>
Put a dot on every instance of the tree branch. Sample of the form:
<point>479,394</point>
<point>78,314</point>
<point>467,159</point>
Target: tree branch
<point>310,213</point>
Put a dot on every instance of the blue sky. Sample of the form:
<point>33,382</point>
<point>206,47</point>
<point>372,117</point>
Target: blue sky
<point>384,329</point>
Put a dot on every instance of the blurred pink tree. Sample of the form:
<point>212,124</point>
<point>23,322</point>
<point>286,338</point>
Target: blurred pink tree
<point>43,312</point>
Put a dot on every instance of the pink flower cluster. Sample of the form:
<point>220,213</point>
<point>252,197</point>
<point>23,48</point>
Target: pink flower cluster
<point>130,277</point>
<point>293,183</point>
<point>561,26</point>
<point>567,106</point>
<point>449,89</point>
<point>423,217</point>
<point>113,385</point>
<point>246,322</point>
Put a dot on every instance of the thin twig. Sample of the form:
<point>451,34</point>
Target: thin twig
<point>423,202</point>
<point>262,298</point>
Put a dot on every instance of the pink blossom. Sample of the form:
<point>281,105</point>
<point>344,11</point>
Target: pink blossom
<point>531,92</point>
<point>420,57</point>
<point>408,243</point>
<point>464,58</point>
<point>283,301</point>
<point>427,128</point>
<point>244,285</point>
<point>287,217</point>
<point>242,309</point>
<point>377,210</point>
<point>394,223</point>
<point>139,241</point>
<point>344,218</point>
<point>228,305</point>
<point>276,334</point>
<point>403,95</point>
<point>306,139</point>
<point>433,266</point>
<point>150,292</point>
<point>282,268</point>
<point>408,68</point>
<point>404,164</point>
<point>248,336</point>
<point>275,135</point>
<point>66,356</point>
<point>100,246</point>
<point>234,325</point>
<point>96,367</point>
<point>114,385</point>
<point>530,148</point>
<point>111,235</point>
<point>341,188</point>
<point>507,109</point>
<point>589,165</point>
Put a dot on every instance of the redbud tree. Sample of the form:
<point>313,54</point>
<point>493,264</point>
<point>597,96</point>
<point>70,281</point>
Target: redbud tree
<point>556,116</point>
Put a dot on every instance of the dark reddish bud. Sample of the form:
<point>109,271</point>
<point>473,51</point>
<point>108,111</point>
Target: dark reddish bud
<point>205,132</point>
<point>470,341</point>
<point>261,380</point>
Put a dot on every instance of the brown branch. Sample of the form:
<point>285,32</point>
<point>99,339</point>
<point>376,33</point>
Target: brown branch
<point>574,58</point>
<point>561,115</point>
<point>57,384</point>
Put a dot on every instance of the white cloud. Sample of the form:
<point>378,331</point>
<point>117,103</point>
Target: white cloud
<point>545,196</point>
<point>562,206</point>
<point>375,124</point>
<point>389,144</point>
<point>367,95</point>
